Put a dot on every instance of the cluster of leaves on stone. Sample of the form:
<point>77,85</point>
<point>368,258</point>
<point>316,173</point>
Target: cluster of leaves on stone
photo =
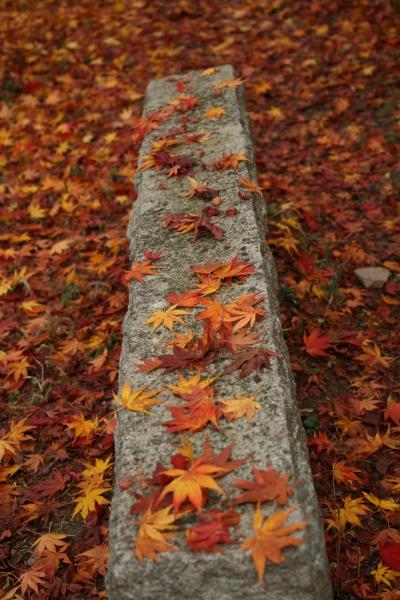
<point>172,495</point>
<point>321,80</point>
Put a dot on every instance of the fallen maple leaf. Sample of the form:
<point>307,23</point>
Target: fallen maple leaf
<point>86,502</point>
<point>83,428</point>
<point>153,533</point>
<point>214,113</point>
<point>167,317</point>
<point>213,530</point>
<point>251,186</point>
<point>50,542</point>
<point>200,190</point>
<point>253,359</point>
<point>137,400</point>
<point>392,411</point>
<point>187,299</point>
<point>267,485</point>
<point>229,161</point>
<point>228,83</point>
<point>390,554</point>
<point>238,341</point>
<point>372,356</point>
<point>188,386</point>
<point>140,270</point>
<point>316,344</point>
<point>95,560</point>
<point>238,407</point>
<point>199,410</point>
<point>189,483</point>
<point>344,473</point>
<point>271,537</point>
<point>49,487</point>
<point>382,503</point>
<point>30,580</point>
<point>353,509</point>
<point>148,364</point>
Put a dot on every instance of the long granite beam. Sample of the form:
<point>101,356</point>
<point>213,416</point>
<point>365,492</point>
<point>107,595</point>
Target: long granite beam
<point>276,434</point>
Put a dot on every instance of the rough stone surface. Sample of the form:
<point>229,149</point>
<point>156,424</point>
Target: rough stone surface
<point>373,277</point>
<point>276,433</point>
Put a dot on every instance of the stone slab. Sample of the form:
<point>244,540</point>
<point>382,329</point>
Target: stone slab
<point>276,433</point>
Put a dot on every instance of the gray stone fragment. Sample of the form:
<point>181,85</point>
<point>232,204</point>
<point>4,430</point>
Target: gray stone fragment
<point>373,277</point>
<point>276,433</point>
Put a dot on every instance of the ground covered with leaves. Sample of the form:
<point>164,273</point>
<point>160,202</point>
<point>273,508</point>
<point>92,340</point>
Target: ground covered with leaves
<point>323,93</point>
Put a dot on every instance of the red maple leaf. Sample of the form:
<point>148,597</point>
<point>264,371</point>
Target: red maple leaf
<point>267,485</point>
<point>213,530</point>
<point>49,487</point>
<point>247,361</point>
<point>316,344</point>
<point>390,554</point>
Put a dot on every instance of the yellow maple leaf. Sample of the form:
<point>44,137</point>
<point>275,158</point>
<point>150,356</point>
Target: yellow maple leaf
<point>210,71</point>
<point>32,306</point>
<point>59,247</point>
<point>271,537</point>
<point>384,504</point>
<point>6,447</point>
<point>82,428</point>
<point>239,407</point>
<point>275,113</point>
<point>137,400</point>
<point>167,318</point>
<point>187,386</point>
<point>35,210</point>
<point>214,113</point>
<point>382,574</point>
<point>86,502</point>
<point>17,431</point>
<point>98,468</point>
<point>154,531</point>
<point>351,512</point>
<point>228,83</point>
<point>372,355</point>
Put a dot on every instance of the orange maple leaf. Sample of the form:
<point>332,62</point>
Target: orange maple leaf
<point>83,428</point>
<point>140,270</point>
<point>214,113</point>
<point>95,560</point>
<point>372,356</point>
<point>243,311</point>
<point>229,161</point>
<point>30,580</point>
<point>154,533</point>
<point>218,314</point>
<point>189,483</point>
<point>344,473</point>
<point>49,542</point>
<point>251,186</point>
<point>199,409</point>
<point>239,407</point>
<point>316,344</point>
<point>271,537</point>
